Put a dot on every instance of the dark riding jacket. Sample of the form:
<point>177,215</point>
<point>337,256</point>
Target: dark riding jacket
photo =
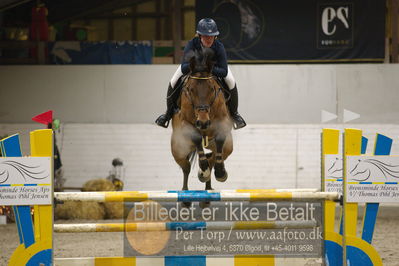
<point>219,69</point>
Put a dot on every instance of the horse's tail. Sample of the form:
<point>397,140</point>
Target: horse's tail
<point>192,158</point>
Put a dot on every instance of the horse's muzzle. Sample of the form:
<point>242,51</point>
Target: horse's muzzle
<point>202,124</point>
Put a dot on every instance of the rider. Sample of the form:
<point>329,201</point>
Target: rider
<point>207,32</point>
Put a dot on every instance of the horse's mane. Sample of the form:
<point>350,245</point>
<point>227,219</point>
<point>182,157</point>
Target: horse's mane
<point>201,60</point>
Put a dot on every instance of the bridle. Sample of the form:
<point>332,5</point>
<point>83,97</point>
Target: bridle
<point>201,107</point>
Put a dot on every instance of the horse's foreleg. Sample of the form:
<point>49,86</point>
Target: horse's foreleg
<point>204,173</point>
<point>220,171</point>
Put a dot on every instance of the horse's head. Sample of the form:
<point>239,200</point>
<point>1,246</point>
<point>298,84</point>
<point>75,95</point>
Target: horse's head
<point>201,87</point>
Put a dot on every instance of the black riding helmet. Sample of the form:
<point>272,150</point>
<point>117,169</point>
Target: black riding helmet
<point>207,27</point>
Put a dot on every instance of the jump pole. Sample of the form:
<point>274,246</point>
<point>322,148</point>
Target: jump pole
<point>172,226</point>
<point>188,196</point>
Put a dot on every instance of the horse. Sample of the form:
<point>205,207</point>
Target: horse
<point>202,121</point>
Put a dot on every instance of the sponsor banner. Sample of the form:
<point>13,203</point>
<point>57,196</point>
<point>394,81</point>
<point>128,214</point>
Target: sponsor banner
<point>25,181</point>
<point>286,229</point>
<point>372,178</point>
<point>333,172</point>
<point>296,31</point>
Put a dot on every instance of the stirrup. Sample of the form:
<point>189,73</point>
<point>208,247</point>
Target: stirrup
<point>238,121</point>
<point>162,121</point>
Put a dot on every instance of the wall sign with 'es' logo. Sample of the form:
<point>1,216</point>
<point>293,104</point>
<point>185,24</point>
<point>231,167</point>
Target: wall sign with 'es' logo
<point>317,31</point>
<point>335,26</point>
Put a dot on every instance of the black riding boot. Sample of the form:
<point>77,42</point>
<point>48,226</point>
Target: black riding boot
<point>233,105</point>
<point>171,98</point>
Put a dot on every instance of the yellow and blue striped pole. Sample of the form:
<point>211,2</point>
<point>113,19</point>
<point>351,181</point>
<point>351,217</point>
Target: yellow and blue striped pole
<point>172,226</point>
<point>332,239</point>
<point>355,249</point>
<point>192,196</point>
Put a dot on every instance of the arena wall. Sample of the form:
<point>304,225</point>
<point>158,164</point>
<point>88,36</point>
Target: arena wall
<point>271,94</point>
<point>265,156</point>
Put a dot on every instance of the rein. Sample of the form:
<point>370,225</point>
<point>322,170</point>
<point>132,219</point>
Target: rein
<point>192,77</point>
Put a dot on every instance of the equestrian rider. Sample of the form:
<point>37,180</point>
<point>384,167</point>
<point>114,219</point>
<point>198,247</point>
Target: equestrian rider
<point>207,37</point>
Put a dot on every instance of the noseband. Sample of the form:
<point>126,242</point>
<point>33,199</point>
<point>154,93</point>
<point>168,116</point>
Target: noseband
<point>202,107</point>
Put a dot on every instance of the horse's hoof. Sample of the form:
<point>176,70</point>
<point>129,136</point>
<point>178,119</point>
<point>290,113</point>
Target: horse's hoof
<point>204,176</point>
<point>186,204</point>
<point>204,204</point>
<point>222,178</point>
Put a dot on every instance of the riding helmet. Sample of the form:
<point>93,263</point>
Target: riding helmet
<point>207,27</point>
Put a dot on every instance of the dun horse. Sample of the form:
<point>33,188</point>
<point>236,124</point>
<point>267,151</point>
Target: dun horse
<point>203,120</point>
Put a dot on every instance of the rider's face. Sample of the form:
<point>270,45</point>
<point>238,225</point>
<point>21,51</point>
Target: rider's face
<point>207,41</point>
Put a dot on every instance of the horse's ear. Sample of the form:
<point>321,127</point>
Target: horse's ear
<point>209,64</point>
<point>192,63</point>
<point>190,58</point>
<point>208,53</point>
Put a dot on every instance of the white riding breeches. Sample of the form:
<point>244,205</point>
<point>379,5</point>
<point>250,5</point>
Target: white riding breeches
<point>176,77</point>
<point>229,79</point>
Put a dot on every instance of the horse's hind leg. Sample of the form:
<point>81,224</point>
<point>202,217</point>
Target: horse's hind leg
<point>181,150</point>
<point>208,186</point>
<point>185,166</point>
<point>209,156</point>
<point>206,204</point>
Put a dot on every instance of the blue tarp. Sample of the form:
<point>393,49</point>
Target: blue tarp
<point>128,52</point>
